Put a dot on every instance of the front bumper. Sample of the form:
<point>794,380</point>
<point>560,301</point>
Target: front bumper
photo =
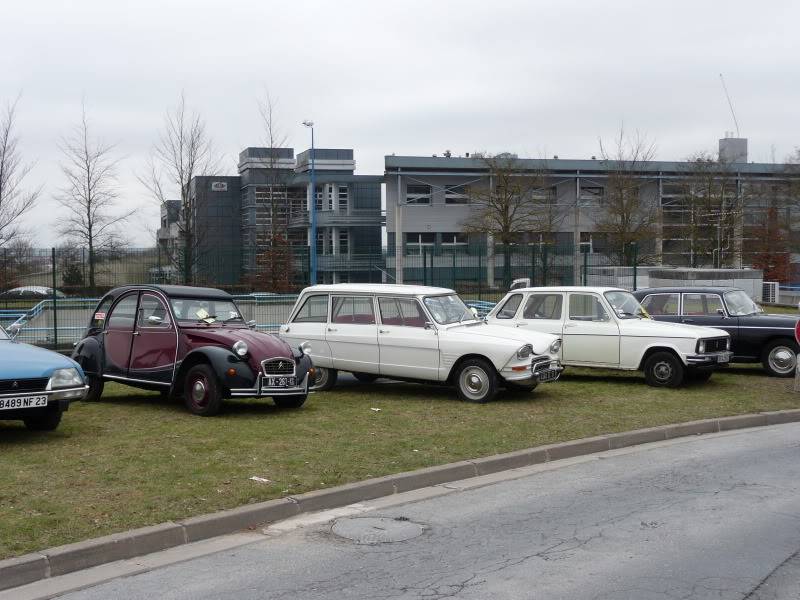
<point>540,370</point>
<point>709,359</point>
<point>261,391</point>
<point>56,400</point>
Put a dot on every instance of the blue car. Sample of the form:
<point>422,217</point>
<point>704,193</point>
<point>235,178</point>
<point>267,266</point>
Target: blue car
<point>36,385</point>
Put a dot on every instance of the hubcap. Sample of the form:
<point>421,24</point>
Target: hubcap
<point>662,371</point>
<point>474,383</point>
<point>782,359</point>
<point>198,391</point>
<point>320,376</point>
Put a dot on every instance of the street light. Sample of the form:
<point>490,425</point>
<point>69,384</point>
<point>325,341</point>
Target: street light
<point>313,211</point>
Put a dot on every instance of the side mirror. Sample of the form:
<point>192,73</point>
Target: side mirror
<point>429,325</point>
<point>474,311</point>
<point>14,329</point>
<point>520,283</point>
<point>251,324</point>
<point>721,312</point>
<point>154,320</point>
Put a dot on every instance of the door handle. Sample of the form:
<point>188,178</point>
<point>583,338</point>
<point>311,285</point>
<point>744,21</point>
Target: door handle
<point>521,324</point>
<point>135,333</point>
<point>688,320</point>
<point>332,329</point>
<point>568,325</point>
<point>285,329</point>
<point>383,331</point>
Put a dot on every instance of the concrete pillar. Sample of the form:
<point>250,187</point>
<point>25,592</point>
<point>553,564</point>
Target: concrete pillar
<point>490,260</point>
<point>399,263</point>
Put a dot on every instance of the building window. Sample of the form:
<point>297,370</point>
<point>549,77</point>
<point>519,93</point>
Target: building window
<point>318,198</point>
<point>415,242</point>
<point>344,242</point>
<point>453,241</point>
<point>344,196</point>
<point>592,194</point>
<point>456,194</point>
<point>418,194</point>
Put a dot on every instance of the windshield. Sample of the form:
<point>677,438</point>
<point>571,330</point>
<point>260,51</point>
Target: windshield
<point>448,309</point>
<point>3,334</point>
<point>625,305</point>
<point>203,310</point>
<point>740,304</point>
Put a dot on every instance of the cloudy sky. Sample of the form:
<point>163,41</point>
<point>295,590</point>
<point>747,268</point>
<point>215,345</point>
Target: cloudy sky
<point>532,77</point>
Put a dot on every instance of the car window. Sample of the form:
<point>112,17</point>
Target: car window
<point>124,313</point>
<point>698,305</point>
<point>314,310</point>
<point>356,310</point>
<point>586,307</point>
<point>152,306</point>
<point>100,314</point>
<point>509,308</point>
<point>205,310</point>
<point>662,304</point>
<point>405,312</point>
<point>543,306</point>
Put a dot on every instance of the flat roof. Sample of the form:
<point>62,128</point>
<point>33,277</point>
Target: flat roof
<point>569,288</point>
<point>379,288</point>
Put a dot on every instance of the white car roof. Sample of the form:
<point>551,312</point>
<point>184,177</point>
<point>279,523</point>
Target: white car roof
<point>378,288</point>
<point>569,288</point>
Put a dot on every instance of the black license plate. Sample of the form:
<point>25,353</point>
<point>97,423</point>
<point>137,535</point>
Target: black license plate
<point>547,376</point>
<point>279,382</point>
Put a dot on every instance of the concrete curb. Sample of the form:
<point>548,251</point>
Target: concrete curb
<point>60,560</point>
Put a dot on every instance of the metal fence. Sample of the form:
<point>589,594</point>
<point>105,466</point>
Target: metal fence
<point>52,291</point>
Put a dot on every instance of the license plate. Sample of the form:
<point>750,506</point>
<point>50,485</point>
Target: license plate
<point>280,382</point>
<point>23,402</point>
<point>546,376</point>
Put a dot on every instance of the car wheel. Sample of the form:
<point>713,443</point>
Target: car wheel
<point>663,369</point>
<point>295,401</point>
<point>780,358</point>
<point>700,376</point>
<point>476,381</point>
<point>365,377</point>
<point>324,379</point>
<point>47,421</point>
<point>519,388</point>
<point>201,391</point>
<point>96,385</point>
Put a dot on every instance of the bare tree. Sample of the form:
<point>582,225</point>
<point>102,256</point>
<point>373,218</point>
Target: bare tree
<point>182,152</point>
<point>627,216</point>
<point>15,201</point>
<point>90,194</point>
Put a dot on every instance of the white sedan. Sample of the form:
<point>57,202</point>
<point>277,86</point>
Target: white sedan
<point>608,328</point>
<point>415,333</point>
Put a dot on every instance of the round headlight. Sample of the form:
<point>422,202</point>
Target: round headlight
<point>525,351</point>
<point>555,346</point>
<point>240,348</point>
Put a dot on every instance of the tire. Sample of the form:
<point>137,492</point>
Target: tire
<point>365,377</point>
<point>780,358</point>
<point>663,369</point>
<point>517,388</point>
<point>324,379</point>
<point>700,376</point>
<point>476,381</point>
<point>295,401</point>
<point>96,385</point>
<point>47,421</point>
<point>201,391</point>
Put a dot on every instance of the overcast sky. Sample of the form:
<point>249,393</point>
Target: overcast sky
<point>415,78</point>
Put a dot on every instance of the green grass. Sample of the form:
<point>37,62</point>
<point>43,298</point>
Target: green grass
<point>134,459</point>
<point>780,310</point>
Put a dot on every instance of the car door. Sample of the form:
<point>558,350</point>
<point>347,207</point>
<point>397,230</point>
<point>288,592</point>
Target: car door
<point>309,325</point>
<point>352,334</point>
<point>708,310</point>
<point>155,342</point>
<point>590,333</point>
<point>118,336</point>
<point>543,312</point>
<point>407,347</point>
<point>663,306</point>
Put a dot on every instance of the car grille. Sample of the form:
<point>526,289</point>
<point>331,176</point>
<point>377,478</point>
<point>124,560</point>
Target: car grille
<point>717,345</point>
<point>23,385</point>
<point>540,364</point>
<point>278,366</point>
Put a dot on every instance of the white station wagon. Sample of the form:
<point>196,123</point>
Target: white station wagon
<point>415,333</point>
<point>608,328</point>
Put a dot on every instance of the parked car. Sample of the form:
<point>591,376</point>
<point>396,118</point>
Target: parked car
<point>31,292</point>
<point>190,342</point>
<point>607,328</point>
<point>415,333</point>
<point>36,385</point>
<point>755,335</point>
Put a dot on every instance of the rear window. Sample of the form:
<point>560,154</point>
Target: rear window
<point>661,304</point>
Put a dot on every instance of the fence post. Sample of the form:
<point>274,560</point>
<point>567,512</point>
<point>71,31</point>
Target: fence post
<point>55,312</point>
<point>454,268</point>
<point>635,263</point>
<point>544,264</point>
<point>424,265</point>
<point>585,268</point>
<point>480,275</point>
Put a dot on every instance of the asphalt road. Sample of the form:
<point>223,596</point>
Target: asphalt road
<point>707,517</point>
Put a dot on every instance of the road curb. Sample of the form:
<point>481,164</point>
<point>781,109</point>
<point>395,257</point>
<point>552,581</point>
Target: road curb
<point>60,560</point>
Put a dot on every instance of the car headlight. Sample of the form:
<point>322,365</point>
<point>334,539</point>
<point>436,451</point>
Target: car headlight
<point>240,349</point>
<point>728,344</point>
<point>64,378</point>
<point>701,347</point>
<point>555,346</point>
<point>525,352</point>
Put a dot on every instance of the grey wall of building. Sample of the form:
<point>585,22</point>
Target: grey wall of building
<point>217,215</point>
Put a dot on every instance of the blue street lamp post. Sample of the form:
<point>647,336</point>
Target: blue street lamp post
<point>313,212</point>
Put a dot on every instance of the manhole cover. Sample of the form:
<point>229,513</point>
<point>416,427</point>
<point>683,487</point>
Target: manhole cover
<point>376,530</point>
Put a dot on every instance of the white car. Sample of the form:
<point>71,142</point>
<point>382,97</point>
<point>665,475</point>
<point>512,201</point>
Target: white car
<point>415,333</point>
<point>608,328</point>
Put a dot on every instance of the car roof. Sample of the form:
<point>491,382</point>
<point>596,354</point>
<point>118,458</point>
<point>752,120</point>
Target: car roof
<point>176,291</point>
<point>568,288</point>
<point>379,288</point>
<point>688,289</point>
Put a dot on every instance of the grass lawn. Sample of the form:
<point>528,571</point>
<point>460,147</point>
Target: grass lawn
<point>134,459</point>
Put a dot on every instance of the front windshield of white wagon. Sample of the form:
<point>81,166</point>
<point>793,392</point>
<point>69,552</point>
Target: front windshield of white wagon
<point>448,309</point>
<point>625,305</point>
<point>204,310</point>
